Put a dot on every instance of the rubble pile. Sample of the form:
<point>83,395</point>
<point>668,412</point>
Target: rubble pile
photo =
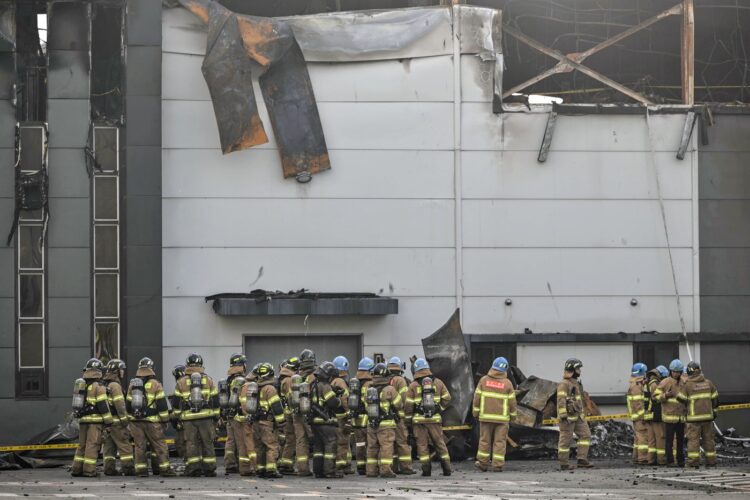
<point>611,439</point>
<point>731,446</point>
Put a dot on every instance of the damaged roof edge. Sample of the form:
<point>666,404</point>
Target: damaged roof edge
<point>302,304</point>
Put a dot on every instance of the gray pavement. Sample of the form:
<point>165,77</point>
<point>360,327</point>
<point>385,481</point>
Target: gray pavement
<point>521,480</point>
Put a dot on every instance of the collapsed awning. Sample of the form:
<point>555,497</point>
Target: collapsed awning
<point>302,303</point>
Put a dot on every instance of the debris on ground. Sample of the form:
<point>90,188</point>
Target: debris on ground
<point>611,439</point>
<point>732,446</point>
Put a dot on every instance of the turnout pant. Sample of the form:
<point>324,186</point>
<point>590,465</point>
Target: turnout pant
<point>302,437</point>
<point>360,448</point>
<point>179,443</point>
<point>149,434</point>
<point>380,445</point>
<point>230,448</point>
<point>199,446</point>
<point>580,428</point>
<point>266,446</point>
<point>89,443</point>
<point>324,449</point>
<point>286,462</point>
<point>492,440</point>
<point>426,434</point>
<point>697,431</point>
<point>675,431</point>
<point>640,442</point>
<point>343,450</point>
<point>402,447</point>
<point>117,439</point>
<point>656,441</point>
<point>246,456</point>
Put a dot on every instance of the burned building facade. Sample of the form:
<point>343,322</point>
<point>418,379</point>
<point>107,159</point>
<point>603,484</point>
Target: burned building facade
<point>395,164</point>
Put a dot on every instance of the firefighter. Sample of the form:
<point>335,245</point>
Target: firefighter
<point>670,393</point>
<point>237,368</point>
<point>637,408</point>
<point>402,450</point>
<point>90,407</point>
<point>264,409</point>
<point>494,406</point>
<point>383,404</point>
<point>358,415</point>
<point>325,406</point>
<point>656,446</point>
<point>288,368</point>
<point>702,399</point>
<point>426,398</point>
<point>117,437</point>
<point>340,385</point>
<point>198,411</point>
<point>572,415</point>
<point>148,412</point>
<point>179,440</point>
<point>302,430</point>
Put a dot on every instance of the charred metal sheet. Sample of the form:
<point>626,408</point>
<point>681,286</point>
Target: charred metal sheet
<point>7,26</point>
<point>238,44</point>
<point>302,303</point>
<point>687,133</point>
<point>450,361</point>
<point>549,131</point>
<point>527,417</point>
<point>537,392</point>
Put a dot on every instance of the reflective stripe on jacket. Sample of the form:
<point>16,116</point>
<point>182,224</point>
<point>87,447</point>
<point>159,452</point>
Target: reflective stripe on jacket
<point>636,400</point>
<point>670,394</point>
<point>157,409</point>
<point>494,398</point>
<point>116,400</point>
<point>97,409</point>
<point>390,404</point>
<point>413,407</point>
<point>701,397</point>
<point>209,391</point>
<point>570,398</point>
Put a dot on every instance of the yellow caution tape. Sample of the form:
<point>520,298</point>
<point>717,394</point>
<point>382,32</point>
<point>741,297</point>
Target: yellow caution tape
<point>457,428</point>
<point>741,406</point>
<point>64,446</point>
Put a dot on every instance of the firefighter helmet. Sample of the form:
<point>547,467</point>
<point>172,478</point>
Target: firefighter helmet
<point>115,365</point>
<point>573,364</point>
<point>307,359</point>
<point>341,363</point>
<point>94,364</point>
<point>693,367</point>
<point>238,359</point>
<point>292,363</point>
<point>638,370</point>
<point>394,364</point>
<point>178,371</point>
<point>194,360</point>
<point>421,364</point>
<point>327,371</point>
<point>662,371</point>
<point>500,364</point>
<point>263,371</point>
<point>676,366</point>
<point>146,363</point>
<point>380,370</point>
<point>365,364</point>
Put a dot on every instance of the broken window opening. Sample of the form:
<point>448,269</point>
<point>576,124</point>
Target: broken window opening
<point>107,62</point>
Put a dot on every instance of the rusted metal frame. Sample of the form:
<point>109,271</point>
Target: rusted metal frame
<point>688,52</point>
<point>549,131</point>
<point>579,57</point>
<point>580,67</point>
<point>687,133</point>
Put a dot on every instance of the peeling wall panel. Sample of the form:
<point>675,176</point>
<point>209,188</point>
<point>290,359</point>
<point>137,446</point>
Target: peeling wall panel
<point>349,223</point>
<point>584,314</point>
<point>68,74</point>
<point>576,224</point>
<point>256,173</point>
<point>411,272</point>
<point>575,271</point>
<point>598,175</point>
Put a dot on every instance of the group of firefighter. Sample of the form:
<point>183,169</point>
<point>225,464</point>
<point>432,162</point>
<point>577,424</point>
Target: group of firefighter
<point>275,424</point>
<point>669,406</point>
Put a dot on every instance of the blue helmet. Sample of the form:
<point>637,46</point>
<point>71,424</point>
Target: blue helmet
<point>500,364</point>
<point>662,371</point>
<point>421,364</point>
<point>676,366</point>
<point>638,370</point>
<point>341,363</point>
<point>395,360</point>
<point>365,364</point>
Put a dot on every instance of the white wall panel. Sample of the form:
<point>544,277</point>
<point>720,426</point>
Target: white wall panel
<point>611,360</point>
<point>188,319</point>
<point>219,222</point>
<point>590,314</point>
<point>182,32</point>
<point>553,272</point>
<point>476,79</point>
<point>483,130</point>
<point>201,173</point>
<point>408,125</point>
<point>574,175</point>
<point>575,223</point>
<point>415,80</point>
<point>199,272</point>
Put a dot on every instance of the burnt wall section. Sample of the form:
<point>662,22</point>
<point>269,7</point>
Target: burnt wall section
<point>724,192</point>
<point>141,180</point>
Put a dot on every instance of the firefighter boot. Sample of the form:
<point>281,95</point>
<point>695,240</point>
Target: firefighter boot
<point>585,464</point>
<point>479,465</point>
<point>446,465</point>
<point>426,469</point>
<point>110,469</point>
<point>167,472</point>
<point>128,471</point>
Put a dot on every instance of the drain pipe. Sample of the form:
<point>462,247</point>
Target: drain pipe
<point>457,170</point>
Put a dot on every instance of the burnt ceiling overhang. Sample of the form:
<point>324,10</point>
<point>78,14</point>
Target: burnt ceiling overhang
<point>302,303</point>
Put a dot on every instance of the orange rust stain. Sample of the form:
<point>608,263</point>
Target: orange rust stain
<point>254,135</point>
<point>254,36</point>
<point>199,10</point>
<point>292,164</point>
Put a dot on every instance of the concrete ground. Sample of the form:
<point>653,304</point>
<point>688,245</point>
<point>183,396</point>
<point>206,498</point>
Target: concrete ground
<point>522,479</point>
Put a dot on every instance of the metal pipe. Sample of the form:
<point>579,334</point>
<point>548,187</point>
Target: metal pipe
<point>457,170</point>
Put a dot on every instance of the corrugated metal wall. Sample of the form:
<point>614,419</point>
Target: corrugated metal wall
<point>571,241</point>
